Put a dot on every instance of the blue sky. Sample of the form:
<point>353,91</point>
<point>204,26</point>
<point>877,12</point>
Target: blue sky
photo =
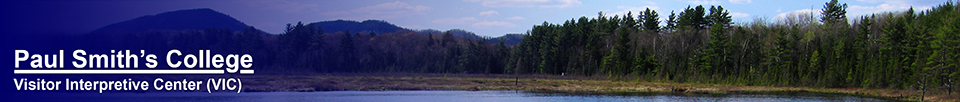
<point>484,17</point>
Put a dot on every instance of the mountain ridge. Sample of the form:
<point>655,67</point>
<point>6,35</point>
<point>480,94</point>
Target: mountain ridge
<point>204,18</point>
<point>196,19</point>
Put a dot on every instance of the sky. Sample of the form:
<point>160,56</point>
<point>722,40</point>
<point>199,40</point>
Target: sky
<point>483,17</point>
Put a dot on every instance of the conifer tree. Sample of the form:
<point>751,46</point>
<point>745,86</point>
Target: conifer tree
<point>651,20</point>
<point>833,12</point>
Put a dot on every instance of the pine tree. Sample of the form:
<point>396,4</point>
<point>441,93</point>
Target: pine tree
<point>833,13</point>
<point>671,21</point>
<point>629,22</point>
<point>719,16</point>
<point>347,50</point>
<point>651,20</point>
<point>692,17</point>
<point>645,63</point>
<point>610,62</point>
<point>861,46</point>
<point>783,57</point>
<point>714,58</point>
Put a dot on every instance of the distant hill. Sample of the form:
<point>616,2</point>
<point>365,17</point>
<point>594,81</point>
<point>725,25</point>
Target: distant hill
<point>459,33</point>
<point>197,19</point>
<point>376,26</point>
<point>203,18</point>
<point>380,27</point>
<point>509,39</point>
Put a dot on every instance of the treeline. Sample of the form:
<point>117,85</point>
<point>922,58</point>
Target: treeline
<point>907,50</point>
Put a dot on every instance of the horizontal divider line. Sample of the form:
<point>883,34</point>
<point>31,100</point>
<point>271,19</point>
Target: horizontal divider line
<point>213,71</point>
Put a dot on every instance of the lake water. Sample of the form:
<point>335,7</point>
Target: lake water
<point>439,96</point>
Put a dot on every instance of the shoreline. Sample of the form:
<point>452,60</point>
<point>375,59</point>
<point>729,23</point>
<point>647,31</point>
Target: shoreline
<point>545,84</point>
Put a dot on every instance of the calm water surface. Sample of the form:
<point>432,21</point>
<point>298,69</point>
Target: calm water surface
<point>443,96</point>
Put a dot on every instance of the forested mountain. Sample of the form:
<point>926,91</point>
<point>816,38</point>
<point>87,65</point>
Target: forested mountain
<point>380,26</point>
<point>322,47</point>
<point>191,19</point>
<point>375,26</point>
<point>203,18</point>
<point>509,39</point>
<point>459,33</point>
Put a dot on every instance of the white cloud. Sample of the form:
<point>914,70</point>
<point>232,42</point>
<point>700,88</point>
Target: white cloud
<point>885,6</point>
<point>878,1</point>
<point>786,15</point>
<point>515,18</point>
<point>704,2</point>
<point>636,10</point>
<point>283,5</point>
<point>741,1</point>
<point>384,10</point>
<point>489,13</point>
<point>739,14</point>
<point>392,6</point>
<point>456,21</point>
<point>528,3</point>
<point>488,24</point>
<point>905,2</point>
